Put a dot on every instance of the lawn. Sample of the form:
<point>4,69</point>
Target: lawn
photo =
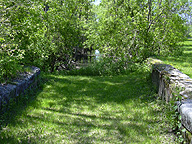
<point>80,109</point>
<point>182,62</point>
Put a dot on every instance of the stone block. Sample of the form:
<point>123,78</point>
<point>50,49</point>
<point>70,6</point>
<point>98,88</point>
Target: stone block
<point>185,110</point>
<point>169,80</point>
<point>18,86</point>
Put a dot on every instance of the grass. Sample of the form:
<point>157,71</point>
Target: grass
<point>81,109</point>
<point>182,62</point>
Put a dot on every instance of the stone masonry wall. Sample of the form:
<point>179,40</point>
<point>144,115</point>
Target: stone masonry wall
<point>18,86</point>
<point>170,82</point>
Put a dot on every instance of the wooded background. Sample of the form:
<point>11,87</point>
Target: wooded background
<point>56,34</point>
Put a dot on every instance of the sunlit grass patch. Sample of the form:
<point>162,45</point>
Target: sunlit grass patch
<point>80,109</point>
<point>182,62</point>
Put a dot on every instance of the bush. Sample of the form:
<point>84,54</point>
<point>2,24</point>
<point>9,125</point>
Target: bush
<point>10,57</point>
<point>109,67</point>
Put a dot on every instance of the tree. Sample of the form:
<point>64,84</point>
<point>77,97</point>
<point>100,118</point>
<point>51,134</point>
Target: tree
<point>41,33</point>
<point>50,34</point>
<point>137,29</point>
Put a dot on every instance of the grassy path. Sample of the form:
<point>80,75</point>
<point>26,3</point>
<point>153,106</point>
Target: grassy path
<point>182,62</point>
<point>76,109</point>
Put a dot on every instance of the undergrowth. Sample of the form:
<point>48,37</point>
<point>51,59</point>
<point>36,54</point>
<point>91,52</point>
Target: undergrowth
<point>109,67</point>
<point>173,117</point>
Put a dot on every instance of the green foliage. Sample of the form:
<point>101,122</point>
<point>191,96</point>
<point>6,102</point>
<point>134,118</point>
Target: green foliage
<point>107,66</point>
<point>173,116</point>
<point>31,35</point>
<point>136,30</point>
<point>49,34</point>
<point>10,56</point>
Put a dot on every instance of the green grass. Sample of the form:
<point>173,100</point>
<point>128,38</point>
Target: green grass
<point>182,62</point>
<point>81,109</point>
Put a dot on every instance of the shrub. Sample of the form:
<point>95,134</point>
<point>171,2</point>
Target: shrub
<point>106,66</point>
<point>10,57</point>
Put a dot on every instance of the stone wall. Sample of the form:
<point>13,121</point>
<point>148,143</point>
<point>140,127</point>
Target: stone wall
<point>170,83</point>
<point>13,89</point>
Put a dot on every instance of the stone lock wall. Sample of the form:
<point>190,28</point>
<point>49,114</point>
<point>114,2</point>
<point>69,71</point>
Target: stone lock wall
<point>170,83</point>
<point>18,86</point>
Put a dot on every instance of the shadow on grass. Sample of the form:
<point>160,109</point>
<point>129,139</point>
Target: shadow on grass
<point>15,109</point>
<point>76,109</point>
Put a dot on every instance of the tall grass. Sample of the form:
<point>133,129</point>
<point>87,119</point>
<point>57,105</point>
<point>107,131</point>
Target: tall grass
<point>106,66</point>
